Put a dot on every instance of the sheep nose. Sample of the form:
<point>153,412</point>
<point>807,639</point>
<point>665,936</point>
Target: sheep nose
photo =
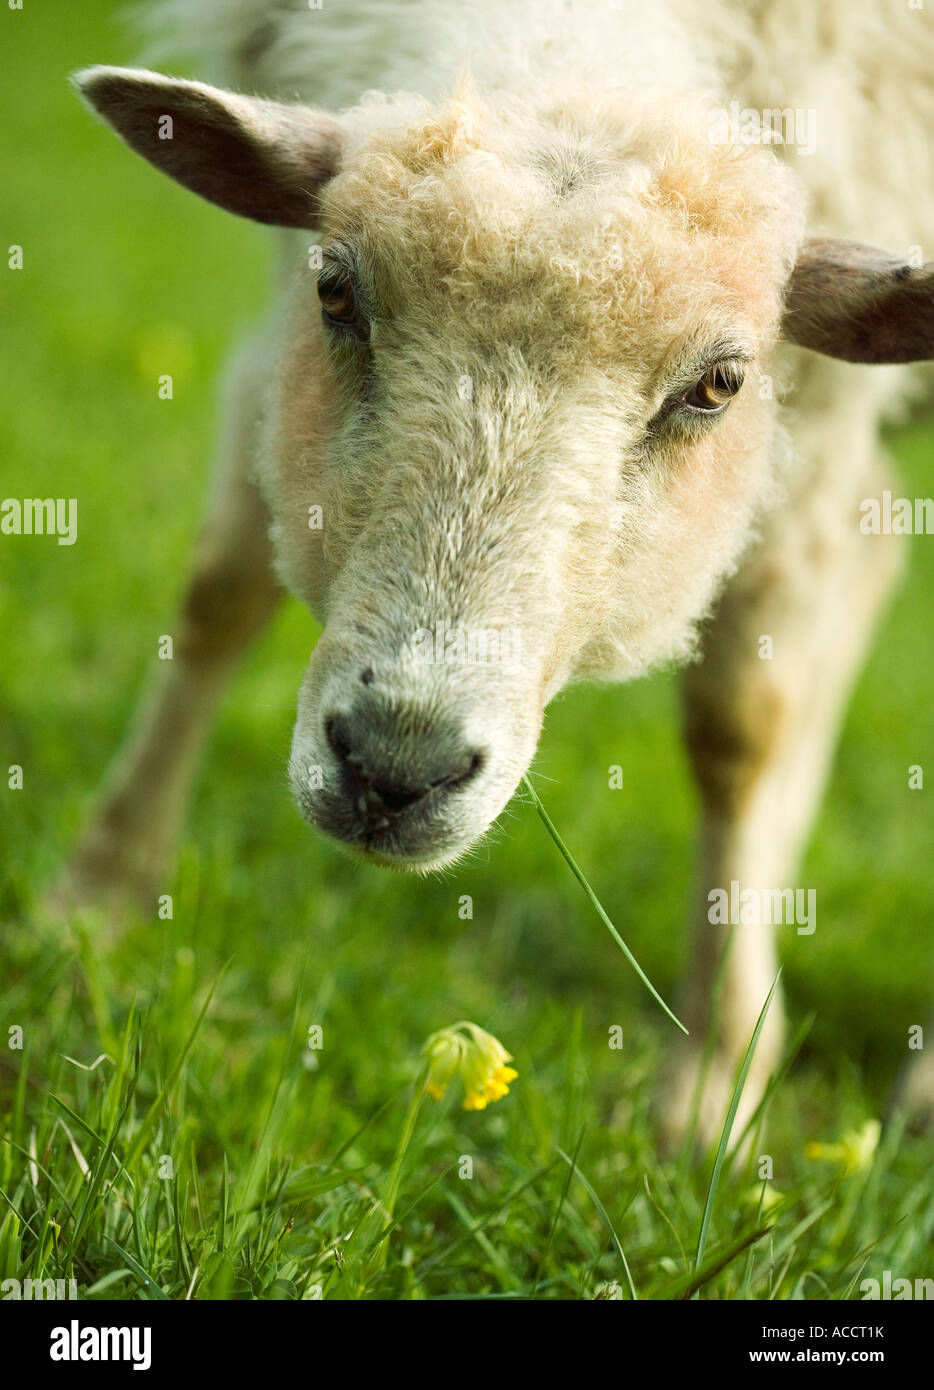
<point>392,759</point>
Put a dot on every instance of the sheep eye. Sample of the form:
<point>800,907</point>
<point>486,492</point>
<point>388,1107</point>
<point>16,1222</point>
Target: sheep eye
<point>339,304</point>
<point>716,388</point>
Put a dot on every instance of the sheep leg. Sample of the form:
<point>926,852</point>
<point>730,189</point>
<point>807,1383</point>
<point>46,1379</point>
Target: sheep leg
<point>761,723</point>
<point>126,850</point>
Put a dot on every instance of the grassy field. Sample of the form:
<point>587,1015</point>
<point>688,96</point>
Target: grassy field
<point>165,1130</point>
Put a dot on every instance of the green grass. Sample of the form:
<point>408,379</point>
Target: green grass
<point>282,1154</point>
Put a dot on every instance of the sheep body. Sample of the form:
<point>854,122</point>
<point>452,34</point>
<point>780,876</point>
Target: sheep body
<point>548,202</point>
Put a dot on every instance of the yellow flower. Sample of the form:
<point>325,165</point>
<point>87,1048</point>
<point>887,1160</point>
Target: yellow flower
<point>855,1151</point>
<point>479,1059</point>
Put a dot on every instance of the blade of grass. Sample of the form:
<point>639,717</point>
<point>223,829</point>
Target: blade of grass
<point>499,1265</point>
<point>446,1251</point>
<point>145,1278</point>
<point>554,1220</point>
<point>777,1078</point>
<point>604,1217</point>
<point>149,1118</point>
<point>597,905</point>
<point>714,1182</point>
<point>400,1220</point>
<point>688,1285</point>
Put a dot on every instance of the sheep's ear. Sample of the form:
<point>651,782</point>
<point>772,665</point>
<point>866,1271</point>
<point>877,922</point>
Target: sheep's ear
<point>860,304</point>
<point>257,158</point>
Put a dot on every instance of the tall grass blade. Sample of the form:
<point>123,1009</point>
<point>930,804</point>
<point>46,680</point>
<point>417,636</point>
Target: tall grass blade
<point>597,905</point>
<point>728,1125</point>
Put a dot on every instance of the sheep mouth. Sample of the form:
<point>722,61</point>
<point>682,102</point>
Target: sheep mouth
<point>410,848</point>
<point>416,838</point>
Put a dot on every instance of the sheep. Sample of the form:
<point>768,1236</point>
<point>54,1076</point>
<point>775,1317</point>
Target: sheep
<point>582,335</point>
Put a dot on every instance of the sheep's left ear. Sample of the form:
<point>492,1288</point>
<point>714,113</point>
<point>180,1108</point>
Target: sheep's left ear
<point>260,159</point>
<point>860,304</point>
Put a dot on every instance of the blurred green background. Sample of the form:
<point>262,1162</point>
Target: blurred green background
<point>126,277</point>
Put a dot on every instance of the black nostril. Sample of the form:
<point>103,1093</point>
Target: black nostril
<point>337,737</point>
<point>461,776</point>
<point>398,798</point>
<point>476,765</point>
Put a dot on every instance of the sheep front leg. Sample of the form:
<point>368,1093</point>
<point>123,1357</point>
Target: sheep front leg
<point>762,712</point>
<point>127,848</point>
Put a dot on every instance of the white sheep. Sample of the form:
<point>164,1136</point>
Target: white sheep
<point>530,384</point>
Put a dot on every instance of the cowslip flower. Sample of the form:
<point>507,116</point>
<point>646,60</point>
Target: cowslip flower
<point>479,1059</point>
<point>855,1150</point>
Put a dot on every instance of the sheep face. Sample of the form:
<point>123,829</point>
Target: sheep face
<point>522,431</point>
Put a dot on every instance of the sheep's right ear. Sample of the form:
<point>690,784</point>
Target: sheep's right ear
<point>258,158</point>
<point>860,304</point>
